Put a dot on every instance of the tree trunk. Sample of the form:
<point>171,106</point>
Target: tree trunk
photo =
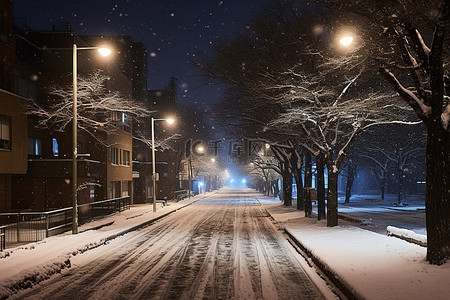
<point>320,166</point>
<point>300,190</point>
<point>399,186</point>
<point>437,199</point>
<point>351,174</point>
<point>276,190</point>
<point>332,200</point>
<point>287,185</point>
<point>383,187</point>
<point>308,184</point>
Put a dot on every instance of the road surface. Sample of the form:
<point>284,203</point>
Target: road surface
<point>222,247</point>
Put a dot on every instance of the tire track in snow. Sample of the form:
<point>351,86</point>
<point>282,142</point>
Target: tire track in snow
<point>219,248</point>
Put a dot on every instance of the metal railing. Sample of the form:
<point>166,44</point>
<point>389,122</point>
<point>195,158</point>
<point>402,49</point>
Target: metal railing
<point>35,226</point>
<point>180,195</point>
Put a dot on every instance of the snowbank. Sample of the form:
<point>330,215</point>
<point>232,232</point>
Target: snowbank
<point>407,235</point>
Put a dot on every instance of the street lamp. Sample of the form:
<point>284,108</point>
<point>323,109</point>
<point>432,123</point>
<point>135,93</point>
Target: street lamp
<point>170,121</point>
<point>346,40</point>
<point>105,52</point>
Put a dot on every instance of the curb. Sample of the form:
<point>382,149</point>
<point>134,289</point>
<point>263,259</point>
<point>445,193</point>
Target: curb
<point>322,266</point>
<point>349,218</point>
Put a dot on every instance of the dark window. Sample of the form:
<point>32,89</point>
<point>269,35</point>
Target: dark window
<point>3,27</point>
<point>114,156</point>
<point>114,189</point>
<point>5,132</point>
<point>126,158</point>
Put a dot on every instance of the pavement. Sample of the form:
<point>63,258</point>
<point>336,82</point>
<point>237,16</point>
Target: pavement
<point>292,221</point>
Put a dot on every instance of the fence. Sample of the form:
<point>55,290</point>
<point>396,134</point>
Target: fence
<point>180,195</point>
<point>35,226</point>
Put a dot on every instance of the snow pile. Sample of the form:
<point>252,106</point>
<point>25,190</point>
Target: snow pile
<point>407,235</point>
<point>28,265</point>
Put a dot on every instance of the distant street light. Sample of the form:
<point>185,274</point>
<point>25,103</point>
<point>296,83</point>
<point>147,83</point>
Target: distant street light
<point>170,121</point>
<point>105,52</point>
<point>198,150</point>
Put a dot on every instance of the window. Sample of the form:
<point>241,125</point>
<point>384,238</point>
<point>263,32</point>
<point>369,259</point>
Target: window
<point>3,27</point>
<point>5,132</point>
<point>2,77</point>
<point>34,147</point>
<point>125,188</point>
<point>114,156</point>
<point>121,119</point>
<point>114,189</point>
<point>126,158</point>
<point>55,147</point>
<point>91,192</point>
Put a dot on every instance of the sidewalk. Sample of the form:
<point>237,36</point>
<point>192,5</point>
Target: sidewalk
<point>26,265</point>
<point>364,264</point>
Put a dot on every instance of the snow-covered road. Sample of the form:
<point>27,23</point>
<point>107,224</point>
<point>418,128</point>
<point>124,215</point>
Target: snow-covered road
<point>221,247</point>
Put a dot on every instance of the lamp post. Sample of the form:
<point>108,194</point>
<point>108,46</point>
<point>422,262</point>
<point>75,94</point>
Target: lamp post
<point>104,52</point>
<point>170,121</point>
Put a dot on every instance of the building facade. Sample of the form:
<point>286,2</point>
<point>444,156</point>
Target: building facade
<point>13,122</point>
<point>104,162</point>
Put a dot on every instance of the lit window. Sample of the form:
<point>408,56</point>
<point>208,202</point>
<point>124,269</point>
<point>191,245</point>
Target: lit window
<point>34,147</point>
<point>5,132</point>
<point>91,192</point>
<point>55,147</point>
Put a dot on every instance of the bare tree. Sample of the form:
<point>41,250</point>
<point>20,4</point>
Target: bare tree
<point>264,167</point>
<point>408,40</point>
<point>379,167</point>
<point>401,156</point>
<point>330,126</point>
<point>99,109</point>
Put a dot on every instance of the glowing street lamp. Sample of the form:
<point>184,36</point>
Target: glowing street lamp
<point>105,52</point>
<point>169,121</point>
<point>346,40</point>
<point>200,149</point>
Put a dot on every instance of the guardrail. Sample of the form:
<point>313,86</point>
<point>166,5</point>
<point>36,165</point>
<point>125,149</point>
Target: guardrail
<point>35,226</point>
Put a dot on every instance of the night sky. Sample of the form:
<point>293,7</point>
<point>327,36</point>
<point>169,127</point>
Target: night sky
<point>173,31</point>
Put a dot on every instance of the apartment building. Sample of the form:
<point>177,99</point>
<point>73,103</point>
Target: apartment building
<point>104,162</point>
<point>13,122</point>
